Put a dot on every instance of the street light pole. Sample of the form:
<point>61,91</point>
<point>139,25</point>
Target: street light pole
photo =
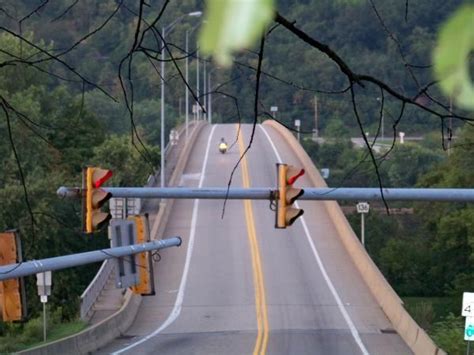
<point>162,138</point>
<point>197,85</point>
<point>187,78</point>
<point>187,89</point>
<point>163,49</point>
<point>209,99</point>
<point>205,89</point>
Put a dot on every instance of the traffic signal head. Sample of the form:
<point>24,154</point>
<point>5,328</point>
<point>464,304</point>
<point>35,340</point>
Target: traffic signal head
<point>12,292</point>
<point>95,198</point>
<point>287,195</point>
<point>145,284</point>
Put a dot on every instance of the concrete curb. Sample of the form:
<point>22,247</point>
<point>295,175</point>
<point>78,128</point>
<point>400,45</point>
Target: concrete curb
<point>415,336</point>
<point>100,334</point>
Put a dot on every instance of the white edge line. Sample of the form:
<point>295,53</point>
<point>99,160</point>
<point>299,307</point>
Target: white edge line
<point>345,314</point>
<point>182,286</point>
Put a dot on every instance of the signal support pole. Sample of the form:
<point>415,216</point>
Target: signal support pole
<point>267,193</point>
<point>13,271</point>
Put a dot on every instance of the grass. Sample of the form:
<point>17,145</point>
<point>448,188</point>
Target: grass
<point>428,310</point>
<point>59,331</point>
<point>32,334</point>
<point>441,318</point>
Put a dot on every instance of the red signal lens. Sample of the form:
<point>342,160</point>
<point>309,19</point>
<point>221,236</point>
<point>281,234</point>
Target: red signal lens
<point>292,179</point>
<point>101,176</point>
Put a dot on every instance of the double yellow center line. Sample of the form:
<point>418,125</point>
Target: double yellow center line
<point>260,303</point>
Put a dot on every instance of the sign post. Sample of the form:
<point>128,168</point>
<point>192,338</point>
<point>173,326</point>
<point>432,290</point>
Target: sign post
<point>362,208</point>
<point>44,282</point>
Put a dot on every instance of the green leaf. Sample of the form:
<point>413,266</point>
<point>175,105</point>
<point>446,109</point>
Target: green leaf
<point>231,25</point>
<point>451,56</point>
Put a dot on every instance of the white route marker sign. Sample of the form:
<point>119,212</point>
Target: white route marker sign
<point>468,305</point>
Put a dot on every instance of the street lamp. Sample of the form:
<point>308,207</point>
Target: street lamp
<point>187,77</point>
<point>162,142</point>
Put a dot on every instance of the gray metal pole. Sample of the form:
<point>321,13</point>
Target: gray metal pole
<point>316,124</point>
<point>186,87</point>
<point>197,85</point>
<point>267,193</point>
<point>14,271</point>
<point>44,321</point>
<point>204,91</point>
<point>382,128</point>
<point>362,228</point>
<point>209,99</point>
<point>162,140</point>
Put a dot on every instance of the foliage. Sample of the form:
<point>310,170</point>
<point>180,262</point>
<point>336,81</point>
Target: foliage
<point>54,135</point>
<point>130,163</point>
<point>448,334</point>
<point>18,337</point>
<point>233,25</point>
<point>451,58</point>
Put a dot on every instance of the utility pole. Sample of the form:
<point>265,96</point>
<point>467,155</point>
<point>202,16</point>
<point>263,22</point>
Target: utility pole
<point>316,123</point>
<point>450,125</point>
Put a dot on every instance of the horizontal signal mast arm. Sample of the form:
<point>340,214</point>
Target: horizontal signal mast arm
<point>13,271</point>
<point>269,193</point>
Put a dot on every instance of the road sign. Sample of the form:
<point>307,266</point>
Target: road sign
<point>467,304</point>
<point>273,108</point>
<point>297,123</point>
<point>325,173</point>
<point>123,232</point>
<point>363,207</point>
<point>174,137</point>
<point>44,282</point>
<point>469,329</point>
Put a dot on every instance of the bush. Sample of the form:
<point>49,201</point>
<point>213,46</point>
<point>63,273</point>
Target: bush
<point>448,334</point>
<point>33,331</point>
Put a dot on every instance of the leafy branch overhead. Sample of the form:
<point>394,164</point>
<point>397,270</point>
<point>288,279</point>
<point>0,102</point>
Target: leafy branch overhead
<point>451,57</point>
<point>233,25</point>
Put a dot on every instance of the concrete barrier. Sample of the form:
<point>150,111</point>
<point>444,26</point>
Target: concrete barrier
<point>415,336</point>
<point>100,334</point>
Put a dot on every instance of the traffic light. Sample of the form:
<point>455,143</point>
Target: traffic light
<point>287,195</point>
<point>145,285</point>
<point>12,296</point>
<point>95,198</point>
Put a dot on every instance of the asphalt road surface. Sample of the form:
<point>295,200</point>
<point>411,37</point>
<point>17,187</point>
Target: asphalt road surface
<point>237,285</point>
